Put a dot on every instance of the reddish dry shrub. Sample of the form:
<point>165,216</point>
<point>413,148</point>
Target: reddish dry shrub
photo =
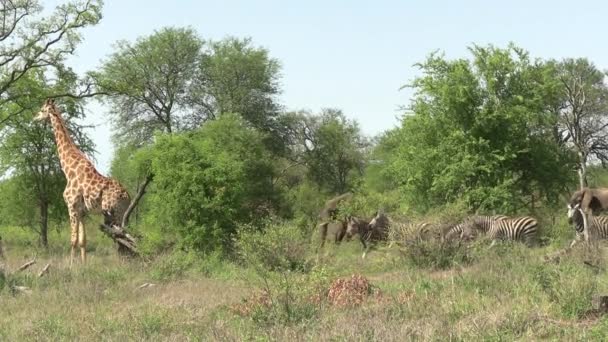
<point>248,305</point>
<point>349,291</point>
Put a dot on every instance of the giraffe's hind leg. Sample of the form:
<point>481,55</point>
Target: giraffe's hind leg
<point>73,235</point>
<point>82,241</point>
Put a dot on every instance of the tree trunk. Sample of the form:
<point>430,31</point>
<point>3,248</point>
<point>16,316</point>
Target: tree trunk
<point>140,193</point>
<point>582,174</point>
<point>582,178</point>
<point>127,245</point>
<point>44,223</point>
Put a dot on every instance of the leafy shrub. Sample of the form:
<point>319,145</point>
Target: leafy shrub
<point>279,247</point>
<point>209,181</point>
<point>173,265</point>
<point>435,254</point>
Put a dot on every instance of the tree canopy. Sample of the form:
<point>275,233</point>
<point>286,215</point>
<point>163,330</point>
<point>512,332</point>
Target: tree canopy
<point>481,133</point>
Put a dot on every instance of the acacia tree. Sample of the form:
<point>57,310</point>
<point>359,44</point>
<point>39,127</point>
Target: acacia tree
<point>34,182</point>
<point>584,111</point>
<point>30,41</point>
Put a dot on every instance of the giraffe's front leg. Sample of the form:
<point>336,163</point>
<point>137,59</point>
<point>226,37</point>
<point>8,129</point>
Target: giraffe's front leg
<point>73,235</point>
<point>82,241</point>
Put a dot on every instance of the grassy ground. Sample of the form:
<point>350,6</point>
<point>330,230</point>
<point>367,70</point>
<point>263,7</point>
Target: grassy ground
<point>505,293</point>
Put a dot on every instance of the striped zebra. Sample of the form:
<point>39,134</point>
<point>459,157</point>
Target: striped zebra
<point>518,229</point>
<point>368,234</point>
<point>598,226</point>
<point>484,223</point>
<point>461,230</point>
<point>401,231</point>
<point>466,230</point>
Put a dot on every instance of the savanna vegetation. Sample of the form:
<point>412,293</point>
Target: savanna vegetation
<point>229,185</point>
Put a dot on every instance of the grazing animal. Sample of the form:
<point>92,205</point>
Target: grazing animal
<point>484,223</point>
<point>330,209</point>
<point>461,231</point>
<point>468,229</point>
<point>368,234</point>
<point>329,214</point>
<point>398,232</point>
<point>523,228</point>
<point>86,189</point>
<point>335,230</point>
<point>599,226</point>
<point>591,201</point>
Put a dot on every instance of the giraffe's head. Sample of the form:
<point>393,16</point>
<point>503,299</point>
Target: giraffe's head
<point>48,108</point>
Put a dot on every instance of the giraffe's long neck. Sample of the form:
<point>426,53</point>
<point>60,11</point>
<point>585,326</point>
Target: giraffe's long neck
<point>62,140</point>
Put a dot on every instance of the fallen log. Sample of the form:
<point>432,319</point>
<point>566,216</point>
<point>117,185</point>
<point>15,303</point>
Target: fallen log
<point>127,245</point>
<point>44,270</point>
<point>22,289</point>
<point>26,265</point>
<point>144,285</point>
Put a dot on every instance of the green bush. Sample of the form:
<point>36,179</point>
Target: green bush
<point>434,254</point>
<point>278,247</point>
<point>209,181</point>
<point>173,265</point>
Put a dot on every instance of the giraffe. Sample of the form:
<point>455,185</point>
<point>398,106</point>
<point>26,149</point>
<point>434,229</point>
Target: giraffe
<point>86,189</point>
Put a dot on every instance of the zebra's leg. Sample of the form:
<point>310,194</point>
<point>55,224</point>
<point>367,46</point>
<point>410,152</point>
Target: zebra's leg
<point>365,252</point>
<point>576,240</point>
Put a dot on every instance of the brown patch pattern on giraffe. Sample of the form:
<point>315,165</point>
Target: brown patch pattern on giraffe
<point>86,190</point>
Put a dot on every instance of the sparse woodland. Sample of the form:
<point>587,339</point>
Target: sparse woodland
<point>228,188</point>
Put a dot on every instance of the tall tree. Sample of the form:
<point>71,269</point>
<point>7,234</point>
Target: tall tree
<point>30,41</point>
<point>236,77</point>
<point>28,157</point>
<point>148,82</point>
<point>584,111</point>
<point>330,145</point>
<point>481,133</point>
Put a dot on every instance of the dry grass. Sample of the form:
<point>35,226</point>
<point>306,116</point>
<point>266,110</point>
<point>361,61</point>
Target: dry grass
<point>506,293</point>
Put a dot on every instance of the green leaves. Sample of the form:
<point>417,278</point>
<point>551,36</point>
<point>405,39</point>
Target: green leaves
<point>481,133</point>
<point>209,180</point>
<point>173,81</point>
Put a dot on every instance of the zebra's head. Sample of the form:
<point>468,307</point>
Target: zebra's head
<point>380,220</point>
<point>573,209</point>
<point>354,226</point>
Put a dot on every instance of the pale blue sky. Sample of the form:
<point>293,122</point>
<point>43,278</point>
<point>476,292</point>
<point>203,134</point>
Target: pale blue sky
<point>352,55</point>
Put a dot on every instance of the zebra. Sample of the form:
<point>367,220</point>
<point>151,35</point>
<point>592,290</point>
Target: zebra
<point>399,231</point>
<point>465,231</point>
<point>460,230</point>
<point>366,233</point>
<point>484,223</point>
<point>521,228</point>
<point>599,226</point>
